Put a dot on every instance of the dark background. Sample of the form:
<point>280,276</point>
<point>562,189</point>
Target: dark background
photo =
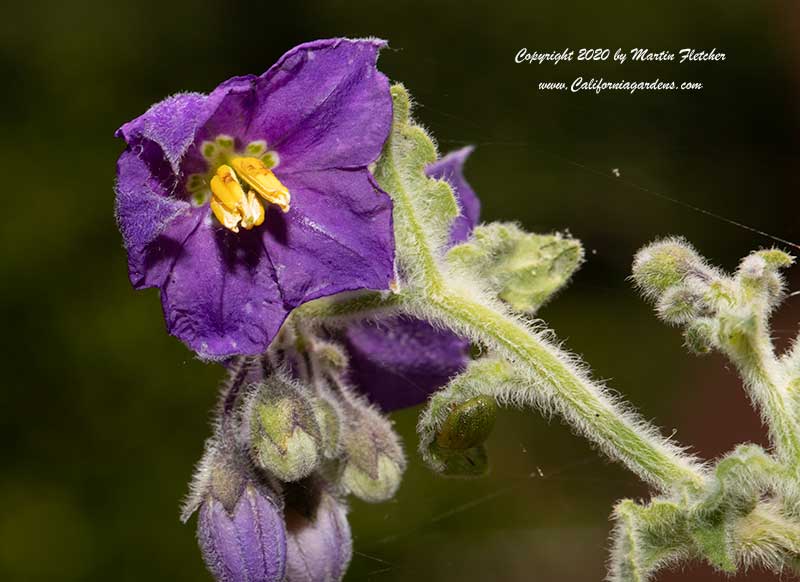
<point>103,414</point>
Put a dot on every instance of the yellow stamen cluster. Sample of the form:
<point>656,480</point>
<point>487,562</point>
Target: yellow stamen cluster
<point>230,204</point>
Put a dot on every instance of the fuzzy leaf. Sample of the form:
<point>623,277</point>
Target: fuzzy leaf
<point>524,269</point>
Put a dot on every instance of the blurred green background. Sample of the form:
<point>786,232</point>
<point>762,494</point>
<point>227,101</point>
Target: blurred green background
<point>104,415</point>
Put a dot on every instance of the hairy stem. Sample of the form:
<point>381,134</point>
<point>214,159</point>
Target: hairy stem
<point>583,403</point>
<point>345,307</point>
<point>768,388</point>
<point>423,213</point>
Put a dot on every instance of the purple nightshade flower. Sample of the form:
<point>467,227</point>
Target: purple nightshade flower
<point>244,203</point>
<point>319,546</point>
<point>399,362</point>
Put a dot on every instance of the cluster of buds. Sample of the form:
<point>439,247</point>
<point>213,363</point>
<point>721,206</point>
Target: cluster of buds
<point>270,489</point>
<point>718,311</point>
<point>750,493</point>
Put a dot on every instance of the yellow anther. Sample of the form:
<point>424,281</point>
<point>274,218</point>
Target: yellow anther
<point>254,212</point>
<point>230,204</point>
<point>262,180</point>
<point>226,188</point>
<point>229,218</point>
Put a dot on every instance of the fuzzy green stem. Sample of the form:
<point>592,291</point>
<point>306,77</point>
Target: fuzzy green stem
<point>768,388</point>
<point>423,211</point>
<point>582,403</point>
<point>345,307</point>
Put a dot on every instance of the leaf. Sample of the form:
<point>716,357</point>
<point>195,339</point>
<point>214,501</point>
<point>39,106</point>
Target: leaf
<point>524,269</point>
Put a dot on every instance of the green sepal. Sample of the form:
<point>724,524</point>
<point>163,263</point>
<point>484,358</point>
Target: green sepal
<point>372,458</point>
<point>327,417</point>
<point>285,436</point>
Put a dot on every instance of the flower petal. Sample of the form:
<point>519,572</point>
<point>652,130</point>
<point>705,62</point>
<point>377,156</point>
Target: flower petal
<point>144,206</point>
<point>451,169</point>
<point>336,237</point>
<point>400,361</point>
<point>171,124</point>
<point>324,104</point>
<point>260,526</point>
<point>220,295</point>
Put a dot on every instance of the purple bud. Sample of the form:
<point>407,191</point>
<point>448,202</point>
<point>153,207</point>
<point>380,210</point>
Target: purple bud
<point>240,525</point>
<point>319,545</point>
<point>246,546</point>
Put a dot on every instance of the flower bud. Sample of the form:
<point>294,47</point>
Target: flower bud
<point>469,424</point>
<point>373,481</point>
<point>285,436</point>
<point>374,461</point>
<point>699,336</point>
<point>663,264</point>
<point>319,544</point>
<point>759,275</point>
<point>240,527</point>
<point>678,305</point>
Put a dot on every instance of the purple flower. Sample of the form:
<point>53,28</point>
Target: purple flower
<point>319,546</point>
<point>244,203</point>
<point>399,362</point>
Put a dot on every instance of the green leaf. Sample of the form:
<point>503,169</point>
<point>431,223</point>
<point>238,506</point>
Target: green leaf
<point>524,269</point>
<point>715,545</point>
